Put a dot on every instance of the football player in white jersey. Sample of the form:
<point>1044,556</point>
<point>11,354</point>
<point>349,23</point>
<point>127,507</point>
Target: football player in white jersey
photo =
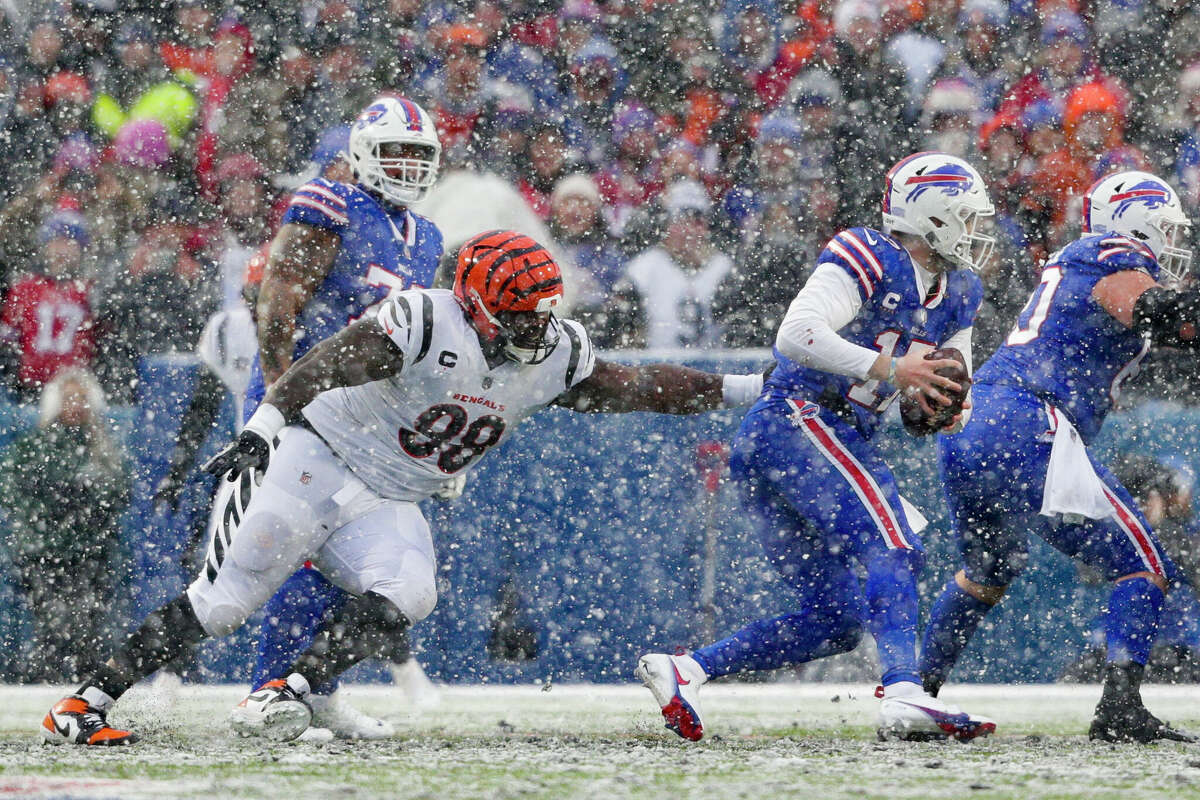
<point>369,422</point>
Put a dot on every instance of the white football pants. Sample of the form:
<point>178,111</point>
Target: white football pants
<point>310,506</point>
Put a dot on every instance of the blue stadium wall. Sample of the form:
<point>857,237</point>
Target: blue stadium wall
<point>597,524</point>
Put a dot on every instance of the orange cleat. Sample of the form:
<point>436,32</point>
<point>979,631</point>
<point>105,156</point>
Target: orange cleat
<point>73,721</point>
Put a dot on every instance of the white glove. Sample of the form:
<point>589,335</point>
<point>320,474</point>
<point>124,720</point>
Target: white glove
<point>452,489</point>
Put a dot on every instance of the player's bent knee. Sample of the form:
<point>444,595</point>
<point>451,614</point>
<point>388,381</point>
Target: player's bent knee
<point>415,598</point>
<point>217,612</point>
<point>981,592</point>
<point>1156,579</point>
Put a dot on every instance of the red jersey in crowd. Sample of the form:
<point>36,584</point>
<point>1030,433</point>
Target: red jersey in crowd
<point>51,324</point>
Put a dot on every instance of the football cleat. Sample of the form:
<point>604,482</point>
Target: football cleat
<point>1133,724</point>
<point>344,720</point>
<point>277,710</point>
<point>74,721</point>
<point>675,683</point>
<point>919,717</point>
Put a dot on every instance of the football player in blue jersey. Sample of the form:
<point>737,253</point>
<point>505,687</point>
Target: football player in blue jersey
<point>821,497</point>
<point>1021,463</point>
<point>342,249</point>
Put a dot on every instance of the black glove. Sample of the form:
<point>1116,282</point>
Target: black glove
<point>248,451</point>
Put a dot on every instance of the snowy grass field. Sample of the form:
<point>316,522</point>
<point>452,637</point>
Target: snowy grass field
<point>765,741</point>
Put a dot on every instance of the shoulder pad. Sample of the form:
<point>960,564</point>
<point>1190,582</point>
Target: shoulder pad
<point>324,197</point>
<point>864,253</point>
<point>1111,253</point>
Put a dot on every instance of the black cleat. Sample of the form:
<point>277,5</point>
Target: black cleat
<point>1133,724</point>
<point>1121,716</point>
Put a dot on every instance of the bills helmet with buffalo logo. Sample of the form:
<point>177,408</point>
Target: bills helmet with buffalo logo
<point>394,149</point>
<point>942,199</point>
<point>509,285</point>
<point>1142,207</point>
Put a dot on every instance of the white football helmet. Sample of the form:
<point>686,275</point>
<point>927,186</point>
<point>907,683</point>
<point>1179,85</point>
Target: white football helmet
<point>394,149</point>
<point>942,199</point>
<point>1143,207</point>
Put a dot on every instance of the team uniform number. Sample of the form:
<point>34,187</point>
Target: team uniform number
<point>869,393</point>
<point>442,430</point>
<point>57,324</point>
<point>1033,316</point>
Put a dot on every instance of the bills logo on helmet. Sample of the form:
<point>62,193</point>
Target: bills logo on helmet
<point>1151,193</point>
<point>952,179</point>
<point>371,114</point>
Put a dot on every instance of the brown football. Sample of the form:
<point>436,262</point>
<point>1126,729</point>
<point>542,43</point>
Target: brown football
<point>916,421</point>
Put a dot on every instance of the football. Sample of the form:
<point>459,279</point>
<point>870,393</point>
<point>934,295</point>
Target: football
<point>916,421</point>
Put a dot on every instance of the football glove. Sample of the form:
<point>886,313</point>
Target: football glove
<point>249,451</point>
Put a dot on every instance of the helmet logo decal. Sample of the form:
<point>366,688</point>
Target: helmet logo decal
<point>371,114</point>
<point>1151,193</point>
<point>950,178</point>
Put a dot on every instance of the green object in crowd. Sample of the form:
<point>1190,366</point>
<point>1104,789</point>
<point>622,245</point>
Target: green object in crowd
<point>168,102</point>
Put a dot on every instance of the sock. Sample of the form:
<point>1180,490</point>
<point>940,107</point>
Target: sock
<point>1132,621</point>
<point>162,637</point>
<point>365,627</point>
<point>952,623</point>
<point>783,641</point>
<point>891,614</point>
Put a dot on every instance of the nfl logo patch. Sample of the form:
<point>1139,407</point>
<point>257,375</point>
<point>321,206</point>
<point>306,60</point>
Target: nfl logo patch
<point>306,478</point>
<point>487,382</point>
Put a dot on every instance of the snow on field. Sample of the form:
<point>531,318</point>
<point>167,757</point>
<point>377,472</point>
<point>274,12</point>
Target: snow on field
<point>767,741</point>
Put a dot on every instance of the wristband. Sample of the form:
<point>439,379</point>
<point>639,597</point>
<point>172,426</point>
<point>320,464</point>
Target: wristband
<point>891,378</point>
<point>267,421</point>
<point>740,390</point>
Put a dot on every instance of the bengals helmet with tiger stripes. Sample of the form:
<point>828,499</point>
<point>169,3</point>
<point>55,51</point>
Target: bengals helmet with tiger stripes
<point>508,285</point>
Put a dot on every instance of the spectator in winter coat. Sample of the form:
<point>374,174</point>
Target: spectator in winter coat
<point>677,279</point>
<point>872,127</point>
<point>577,224</point>
<point>47,317</point>
<point>63,488</point>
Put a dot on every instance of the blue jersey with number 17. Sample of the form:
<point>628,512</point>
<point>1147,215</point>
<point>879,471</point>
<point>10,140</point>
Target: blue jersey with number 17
<point>895,314</point>
<point>1065,348</point>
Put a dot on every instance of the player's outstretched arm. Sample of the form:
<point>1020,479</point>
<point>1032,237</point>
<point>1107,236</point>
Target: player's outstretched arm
<point>301,256</point>
<point>355,355</point>
<point>1170,318</point>
<point>663,388</point>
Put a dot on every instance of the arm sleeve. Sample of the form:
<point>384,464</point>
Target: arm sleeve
<point>808,334</point>
<point>583,357</point>
<point>961,341</point>
<point>407,319</point>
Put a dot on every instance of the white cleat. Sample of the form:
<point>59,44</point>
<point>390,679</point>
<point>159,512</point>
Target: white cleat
<point>277,710</point>
<point>412,680</point>
<point>344,720</point>
<point>675,683</point>
<point>919,717</point>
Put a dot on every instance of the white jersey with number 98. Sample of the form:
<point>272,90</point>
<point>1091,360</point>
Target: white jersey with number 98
<point>406,435</point>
